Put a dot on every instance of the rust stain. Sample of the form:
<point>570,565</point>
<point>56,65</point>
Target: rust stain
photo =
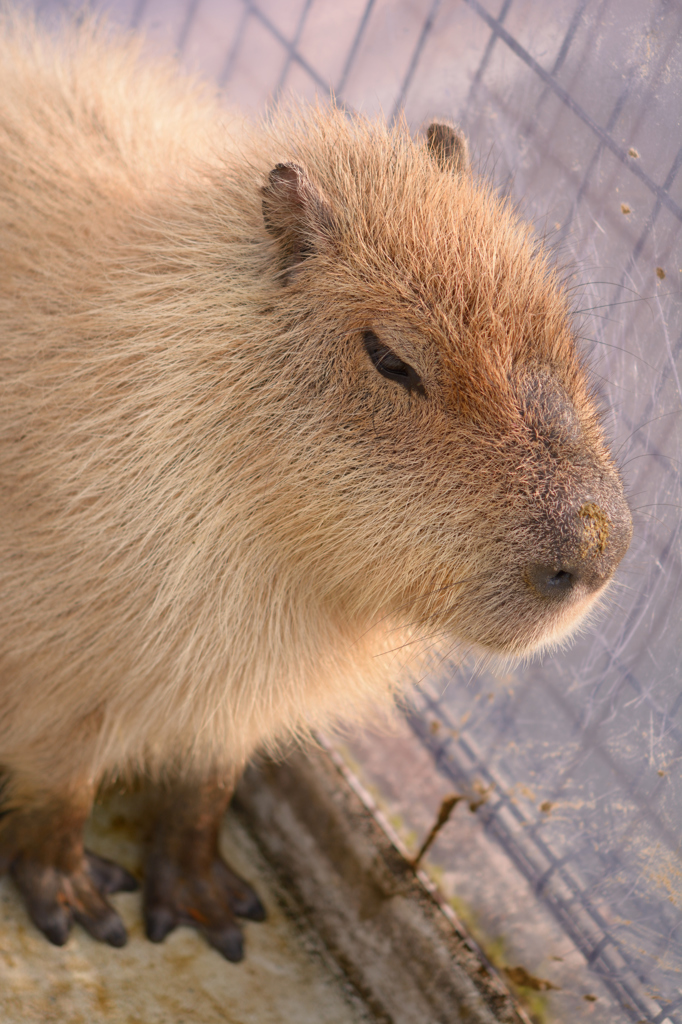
<point>197,915</point>
<point>520,976</point>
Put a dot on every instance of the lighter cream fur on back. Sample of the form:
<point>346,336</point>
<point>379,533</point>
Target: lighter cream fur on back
<point>157,601</point>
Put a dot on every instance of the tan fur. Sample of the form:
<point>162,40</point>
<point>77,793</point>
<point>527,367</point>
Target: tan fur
<point>219,523</point>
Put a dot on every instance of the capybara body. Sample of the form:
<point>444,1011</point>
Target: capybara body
<point>284,409</point>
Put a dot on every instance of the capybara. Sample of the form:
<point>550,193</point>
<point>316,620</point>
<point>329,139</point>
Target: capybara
<point>284,409</point>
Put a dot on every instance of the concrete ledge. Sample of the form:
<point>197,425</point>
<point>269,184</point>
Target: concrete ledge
<point>405,954</point>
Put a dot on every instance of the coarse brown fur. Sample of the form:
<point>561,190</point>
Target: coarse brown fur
<point>218,519</point>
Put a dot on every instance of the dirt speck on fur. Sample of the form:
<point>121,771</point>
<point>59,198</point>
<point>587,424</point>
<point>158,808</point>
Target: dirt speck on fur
<point>596,528</point>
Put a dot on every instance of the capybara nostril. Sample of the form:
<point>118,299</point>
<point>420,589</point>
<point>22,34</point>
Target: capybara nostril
<point>551,582</point>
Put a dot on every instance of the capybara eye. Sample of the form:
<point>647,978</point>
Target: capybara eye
<point>390,365</point>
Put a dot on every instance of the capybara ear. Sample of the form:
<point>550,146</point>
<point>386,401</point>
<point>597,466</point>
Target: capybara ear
<point>448,147</point>
<point>295,212</point>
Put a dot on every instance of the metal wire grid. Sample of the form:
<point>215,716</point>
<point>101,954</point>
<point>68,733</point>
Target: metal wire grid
<point>555,878</point>
<point>251,10</point>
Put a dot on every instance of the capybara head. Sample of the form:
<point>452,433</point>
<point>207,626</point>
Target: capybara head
<point>448,445</point>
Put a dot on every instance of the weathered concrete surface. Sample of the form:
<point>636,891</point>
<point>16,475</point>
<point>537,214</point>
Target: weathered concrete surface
<point>285,978</point>
<point>393,939</point>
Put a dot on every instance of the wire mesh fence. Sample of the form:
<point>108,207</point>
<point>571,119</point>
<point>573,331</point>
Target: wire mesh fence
<point>573,109</point>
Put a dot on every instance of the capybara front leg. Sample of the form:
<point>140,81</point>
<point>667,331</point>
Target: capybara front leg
<point>186,880</point>
<point>60,881</point>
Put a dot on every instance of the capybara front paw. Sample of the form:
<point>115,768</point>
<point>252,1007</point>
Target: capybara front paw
<point>208,900</point>
<point>56,898</point>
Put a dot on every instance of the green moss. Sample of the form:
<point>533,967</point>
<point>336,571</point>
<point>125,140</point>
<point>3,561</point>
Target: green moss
<point>535,1003</point>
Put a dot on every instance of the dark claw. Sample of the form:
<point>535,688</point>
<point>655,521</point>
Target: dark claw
<point>117,937</point>
<point>109,877</point>
<point>105,926</point>
<point>248,906</point>
<point>243,900</point>
<point>159,922</point>
<point>55,924</point>
<point>228,942</point>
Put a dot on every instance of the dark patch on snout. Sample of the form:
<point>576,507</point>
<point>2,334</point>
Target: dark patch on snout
<point>548,411</point>
<point>584,523</point>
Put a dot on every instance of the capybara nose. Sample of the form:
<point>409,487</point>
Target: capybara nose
<point>588,545</point>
